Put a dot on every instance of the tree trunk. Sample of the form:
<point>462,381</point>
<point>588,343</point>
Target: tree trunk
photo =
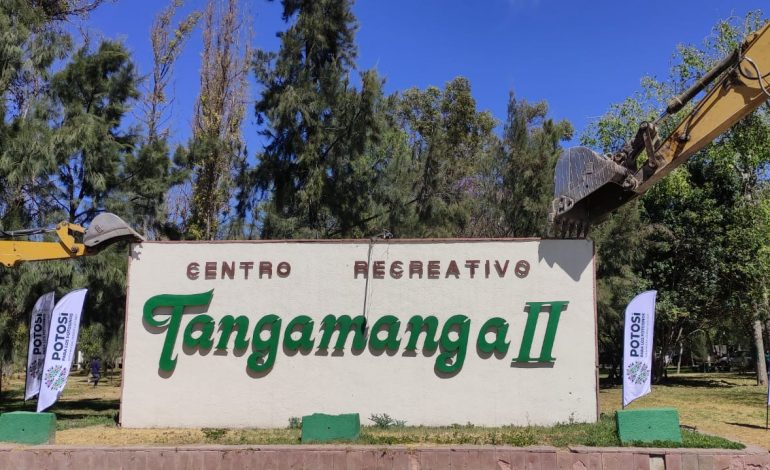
<point>679,359</point>
<point>767,328</point>
<point>759,346</point>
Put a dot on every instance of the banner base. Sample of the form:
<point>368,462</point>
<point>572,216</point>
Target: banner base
<point>321,427</point>
<point>648,425</point>
<point>26,427</point>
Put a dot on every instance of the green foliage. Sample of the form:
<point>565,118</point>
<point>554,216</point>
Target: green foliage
<point>295,422</point>
<point>384,421</point>
<point>148,175</point>
<point>711,258</point>
<point>528,155</point>
<point>314,166</point>
<point>63,154</point>
<point>28,47</point>
<point>91,341</point>
<point>699,236</point>
<point>451,144</point>
<point>214,434</point>
<point>620,247</point>
<point>6,343</point>
<point>600,434</point>
<point>92,95</point>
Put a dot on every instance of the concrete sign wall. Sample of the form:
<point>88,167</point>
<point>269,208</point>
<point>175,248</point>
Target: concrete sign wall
<point>250,334</point>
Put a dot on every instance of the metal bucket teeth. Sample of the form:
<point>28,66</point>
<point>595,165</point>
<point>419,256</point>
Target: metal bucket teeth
<point>569,228</point>
<point>587,188</point>
<point>556,228</point>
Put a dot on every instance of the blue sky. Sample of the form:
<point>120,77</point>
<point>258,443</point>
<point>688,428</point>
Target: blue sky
<point>580,56</point>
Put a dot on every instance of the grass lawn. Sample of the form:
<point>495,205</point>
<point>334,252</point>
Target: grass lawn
<point>725,404</point>
<point>728,405</point>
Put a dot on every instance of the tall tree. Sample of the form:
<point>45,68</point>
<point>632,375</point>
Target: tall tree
<point>451,145</point>
<point>530,148</point>
<point>150,172</point>
<point>217,144</point>
<point>318,126</point>
<point>93,93</point>
<point>28,47</point>
<point>728,178</point>
<point>167,42</point>
<point>707,219</point>
<point>46,127</point>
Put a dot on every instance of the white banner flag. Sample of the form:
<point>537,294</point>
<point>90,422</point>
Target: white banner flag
<point>38,334</point>
<point>62,339</point>
<point>637,346</point>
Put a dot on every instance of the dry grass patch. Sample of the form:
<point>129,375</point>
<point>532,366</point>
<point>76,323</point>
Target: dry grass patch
<point>721,404</point>
<point>724,404</point>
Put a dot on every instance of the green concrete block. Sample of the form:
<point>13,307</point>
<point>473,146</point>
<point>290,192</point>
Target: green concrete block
<point>25,427</point>
<point>320,427</point>
<point>648,425</point>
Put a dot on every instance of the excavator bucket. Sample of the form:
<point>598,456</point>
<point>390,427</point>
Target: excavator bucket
<point>587,188</point>
<point>106,229</point>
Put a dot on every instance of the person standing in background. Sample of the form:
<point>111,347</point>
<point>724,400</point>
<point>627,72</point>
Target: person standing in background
<point>96,366</point>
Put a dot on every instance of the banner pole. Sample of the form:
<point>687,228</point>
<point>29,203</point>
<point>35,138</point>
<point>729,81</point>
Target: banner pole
<point>622,382</point>
<point>26,371</point>
<point>39,317</point>
<point>638,336</point>
<point>67,312</point>
<point>623,369</point>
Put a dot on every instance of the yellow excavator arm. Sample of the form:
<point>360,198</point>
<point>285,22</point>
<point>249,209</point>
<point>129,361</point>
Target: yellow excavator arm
<point>103,231</point>
<point>589,186</point>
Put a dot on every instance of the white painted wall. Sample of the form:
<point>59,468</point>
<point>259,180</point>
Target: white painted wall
<point>215,390</point>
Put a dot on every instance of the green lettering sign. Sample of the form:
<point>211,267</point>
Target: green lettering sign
<point>554,313</point>
<point>391,342</point>
<point>263,356</point>
<point>203,323</point>
<point>499,345</point>
<point>305,342</point>
<point>343,324</point>
<point>452,357</point>
<point>416,326</point>
<point>226,326</point>
<point>452,342</point>
<point>177,304</point>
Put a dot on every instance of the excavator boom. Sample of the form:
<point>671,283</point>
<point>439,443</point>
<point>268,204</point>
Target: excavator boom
<point>103,231</point>
<point>588,186</point>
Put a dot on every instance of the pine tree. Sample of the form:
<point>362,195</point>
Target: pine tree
<point>530,148</point>
<point>451,144</point>
<point>34,109</point>
<point>317,125</point>
<point>28,47</point>
<point>92,93</point>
